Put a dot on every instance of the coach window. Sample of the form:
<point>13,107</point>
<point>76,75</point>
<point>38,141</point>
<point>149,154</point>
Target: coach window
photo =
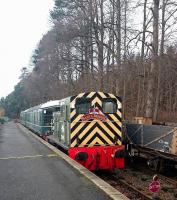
<point>83,105</point>
<point>57,109</point>
<point>109,106</point>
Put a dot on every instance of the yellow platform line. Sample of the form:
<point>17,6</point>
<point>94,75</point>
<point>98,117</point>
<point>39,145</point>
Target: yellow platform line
<point>32,156</point>
<point>52,155</point>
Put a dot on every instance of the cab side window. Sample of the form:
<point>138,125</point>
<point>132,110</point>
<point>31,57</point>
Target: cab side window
<point>109,106</point>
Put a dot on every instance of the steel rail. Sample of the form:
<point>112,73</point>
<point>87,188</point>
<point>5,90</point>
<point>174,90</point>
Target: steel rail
<point>118,181</point>
<point>145,196</point>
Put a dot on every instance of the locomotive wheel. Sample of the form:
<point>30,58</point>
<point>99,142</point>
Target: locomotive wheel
<point>161,166</point>
<point>153,163</point>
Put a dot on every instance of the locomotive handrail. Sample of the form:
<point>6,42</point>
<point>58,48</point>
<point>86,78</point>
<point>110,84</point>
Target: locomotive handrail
<point>37,125</point>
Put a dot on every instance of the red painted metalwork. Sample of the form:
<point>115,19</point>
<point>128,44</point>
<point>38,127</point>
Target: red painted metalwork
<point>99,157</point>
<point>154,186</point>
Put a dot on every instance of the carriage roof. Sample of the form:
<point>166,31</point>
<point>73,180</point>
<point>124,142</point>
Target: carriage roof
<point>55,103</point>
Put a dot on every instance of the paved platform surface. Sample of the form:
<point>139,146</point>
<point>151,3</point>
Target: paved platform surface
<point>31,171</point>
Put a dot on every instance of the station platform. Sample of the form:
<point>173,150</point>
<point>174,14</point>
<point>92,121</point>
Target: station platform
<point>30,169</point>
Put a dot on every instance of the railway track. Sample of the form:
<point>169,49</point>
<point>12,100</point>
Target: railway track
<point>139,192</point>
<point>134,182</point>
<point>168,180</point>
<point>126,187</point>
<point>143,176</point>
<point>133,192</point>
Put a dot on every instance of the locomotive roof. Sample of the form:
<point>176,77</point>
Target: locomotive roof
<point>54,103</point>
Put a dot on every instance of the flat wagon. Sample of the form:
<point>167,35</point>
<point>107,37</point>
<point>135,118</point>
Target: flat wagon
<point>157,143</point>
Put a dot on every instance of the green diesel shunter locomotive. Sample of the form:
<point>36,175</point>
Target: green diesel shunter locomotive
<point>89,127</point>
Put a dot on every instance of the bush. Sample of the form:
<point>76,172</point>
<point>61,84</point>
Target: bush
<point>167,188</point>
<point>2,121</point>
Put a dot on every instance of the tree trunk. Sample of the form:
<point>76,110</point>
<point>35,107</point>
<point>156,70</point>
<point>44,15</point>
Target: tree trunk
<point>144,31</point>
<point>154,63</point>
<point>116,86</point>
<point>156,106</point>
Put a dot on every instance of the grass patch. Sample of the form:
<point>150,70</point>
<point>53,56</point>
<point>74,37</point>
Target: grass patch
<point>144,178</point>
<point>175,194</point>
<point>167,188</point>
<point>135,174</point>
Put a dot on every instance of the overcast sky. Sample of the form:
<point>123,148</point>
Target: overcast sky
<point>22,24</point>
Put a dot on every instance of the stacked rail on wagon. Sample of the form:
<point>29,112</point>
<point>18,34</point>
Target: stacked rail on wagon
<point>155,142</point>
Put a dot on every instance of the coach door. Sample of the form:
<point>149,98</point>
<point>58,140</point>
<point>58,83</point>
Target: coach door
<point>63,125</point>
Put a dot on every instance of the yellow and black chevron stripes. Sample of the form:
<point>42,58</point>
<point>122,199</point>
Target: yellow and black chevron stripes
<point>73,99</point>
<point>97,101</point>
<point>95,132</point>
<point>90,130</point>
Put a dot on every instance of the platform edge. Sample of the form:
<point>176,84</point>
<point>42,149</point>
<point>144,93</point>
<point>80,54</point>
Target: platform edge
<point>101,184</point>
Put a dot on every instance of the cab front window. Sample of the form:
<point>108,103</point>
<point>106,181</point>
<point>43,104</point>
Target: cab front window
<point>83,105</point>
<point>109,106</point>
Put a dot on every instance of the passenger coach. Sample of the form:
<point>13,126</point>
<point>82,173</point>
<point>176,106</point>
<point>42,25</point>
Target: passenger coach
<point>39,118</point>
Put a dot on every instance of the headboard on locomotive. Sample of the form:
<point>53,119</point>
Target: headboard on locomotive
<point>95,119</point>
<point>156,137</point>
